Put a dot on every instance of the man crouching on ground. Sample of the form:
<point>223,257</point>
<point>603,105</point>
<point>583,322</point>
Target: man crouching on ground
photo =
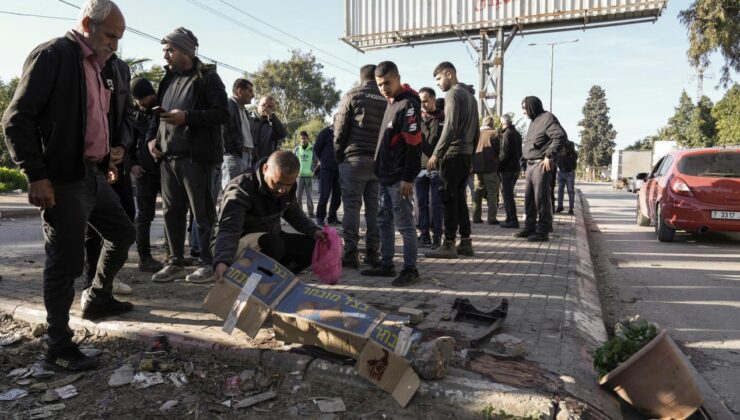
<point>251,209</point>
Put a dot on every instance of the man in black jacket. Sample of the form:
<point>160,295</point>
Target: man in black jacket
<point>328,177</point>
<point>567,161</point>
<point>58,128</point>
<point>428,182</point>
<point>453,157</point>
<point>355,139</point>
<point>146,174</point>
<point>397,163</point>
<point>545,136</point>
<point>250,214</point>
<point>268,132</point>
<point>238,142</point>
<point>485,168</point>
<point>187,135</point>
<point>509,168</point>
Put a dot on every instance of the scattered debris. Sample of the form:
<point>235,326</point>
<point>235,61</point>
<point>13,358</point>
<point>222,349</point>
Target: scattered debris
<point>91,352</point>
<point>179,379</point>
<point>45,411</point>
<point>50,396</point>
<point>146,365</point>
<point>159,345</point>
<point>330,405</point>
<point>168,405</point>
<point>415,315</point>
<point>17,373</point>
<point>508,345</point>
<point>39,330</point>
<point>255,399</point>
<point>232,386</point>
<point>122,376</point>
<point>66,392</point>
<point>147,379</point>
<point>13,394</point>
<point>431,359</point>
<point>43,386</point>
<point>8,339</point>
<point>38,372</point>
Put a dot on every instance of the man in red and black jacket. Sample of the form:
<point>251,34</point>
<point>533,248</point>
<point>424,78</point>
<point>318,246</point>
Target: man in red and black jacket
<point>397,163</point>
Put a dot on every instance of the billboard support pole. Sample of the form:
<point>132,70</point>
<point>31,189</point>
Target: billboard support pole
<point>483,75</point>
<point>499,63</point>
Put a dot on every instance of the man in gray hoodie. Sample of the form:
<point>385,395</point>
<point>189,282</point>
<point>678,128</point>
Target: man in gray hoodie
<point>453,157</point>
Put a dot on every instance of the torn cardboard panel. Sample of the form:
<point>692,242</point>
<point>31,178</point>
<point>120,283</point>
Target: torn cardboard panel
<point>256,286</point>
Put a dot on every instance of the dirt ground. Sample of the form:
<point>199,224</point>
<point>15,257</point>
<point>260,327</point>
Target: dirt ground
<point>203,396</point>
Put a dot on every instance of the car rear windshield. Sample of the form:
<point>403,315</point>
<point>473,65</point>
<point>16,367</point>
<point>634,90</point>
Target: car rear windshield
<point>714,165</point>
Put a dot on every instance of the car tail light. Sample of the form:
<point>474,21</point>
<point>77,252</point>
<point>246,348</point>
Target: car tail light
<point>680,187</point>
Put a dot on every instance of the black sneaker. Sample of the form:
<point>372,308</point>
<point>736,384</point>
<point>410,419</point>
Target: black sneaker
<point>559,210</point>
<point>436,242</point>
<point>112,307</point>
<point>477,220</point>
<point>424,242</point>
<point>523,233</point>
<point>372,258</point>
<point>538,237</point>
<point>570,211</point>
<point>351,260</point>
<point>379,272</point>
<point>494,222</point>
<point>149,265</point>
<point>334,222</point>
<point>509,225</point>
<point>70,359</point>
<point>407,277</point>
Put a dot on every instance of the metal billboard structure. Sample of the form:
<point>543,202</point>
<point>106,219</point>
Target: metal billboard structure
<point>488,25</point>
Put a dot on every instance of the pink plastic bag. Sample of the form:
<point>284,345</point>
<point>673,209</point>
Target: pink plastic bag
<point>327,257</point>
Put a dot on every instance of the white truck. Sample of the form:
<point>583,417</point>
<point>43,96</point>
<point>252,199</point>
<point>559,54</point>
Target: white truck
<point>628,163</point>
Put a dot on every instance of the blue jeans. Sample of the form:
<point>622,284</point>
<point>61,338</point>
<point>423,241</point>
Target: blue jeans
<point>233,166</point>
<point>566,179</point>
<point>427,185</point>
<point>396,211</point>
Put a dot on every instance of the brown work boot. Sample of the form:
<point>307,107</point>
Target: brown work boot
<point>447,250</point>
<point>465,247</point>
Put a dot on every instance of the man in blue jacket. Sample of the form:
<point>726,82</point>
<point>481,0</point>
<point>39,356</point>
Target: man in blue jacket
<point>328,177</point>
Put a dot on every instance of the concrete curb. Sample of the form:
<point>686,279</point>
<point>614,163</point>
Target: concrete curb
<point>583,327</point>
<point>23,212</point>
<point>469,391</point>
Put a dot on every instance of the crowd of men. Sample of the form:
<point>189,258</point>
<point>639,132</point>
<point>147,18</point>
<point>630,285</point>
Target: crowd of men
<point>81,130</point>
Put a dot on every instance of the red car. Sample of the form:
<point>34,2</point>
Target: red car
<point>696,190</point>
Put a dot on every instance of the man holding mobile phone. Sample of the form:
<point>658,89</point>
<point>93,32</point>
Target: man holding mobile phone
<point>187,137</point>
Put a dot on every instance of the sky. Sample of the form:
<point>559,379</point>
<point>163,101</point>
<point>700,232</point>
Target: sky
<point>642,67</point>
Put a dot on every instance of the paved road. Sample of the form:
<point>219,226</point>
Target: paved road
<point>690,286</point>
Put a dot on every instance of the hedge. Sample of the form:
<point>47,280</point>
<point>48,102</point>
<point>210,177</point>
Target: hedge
<point>11,180</point>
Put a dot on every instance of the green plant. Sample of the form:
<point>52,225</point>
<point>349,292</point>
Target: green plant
<point>12,179</point>
<point>629,337</point>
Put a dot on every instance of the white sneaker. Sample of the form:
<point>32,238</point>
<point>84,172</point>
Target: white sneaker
<point>121,288</point>
<point>203,274</point>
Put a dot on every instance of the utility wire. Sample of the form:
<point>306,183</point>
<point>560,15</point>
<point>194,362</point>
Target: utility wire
<point>155,39</point>
<point>247,27</point>
<point>242,11</point>
<point>32,15</point>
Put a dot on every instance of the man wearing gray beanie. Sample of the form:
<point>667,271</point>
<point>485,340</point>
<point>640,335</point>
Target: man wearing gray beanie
<point>186,135</point>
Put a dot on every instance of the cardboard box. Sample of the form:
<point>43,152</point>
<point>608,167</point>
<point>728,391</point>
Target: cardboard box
<point>256,286</point>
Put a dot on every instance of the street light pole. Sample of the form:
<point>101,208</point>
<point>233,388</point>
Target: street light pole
<point>552,61</point>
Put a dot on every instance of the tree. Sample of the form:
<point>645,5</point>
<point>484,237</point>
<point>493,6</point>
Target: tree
<point>597,133</point>
<point>702,129</point>
<point>154,73</point>
<point>644,144</point>
<point>727,114</point>
<point>299,87</point>
<point>713,25</point>
<point>311,127</point>
<point>679,124</point>
<point>7,90</point>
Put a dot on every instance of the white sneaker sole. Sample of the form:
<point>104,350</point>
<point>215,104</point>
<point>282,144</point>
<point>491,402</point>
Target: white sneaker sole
<point>199,280</point>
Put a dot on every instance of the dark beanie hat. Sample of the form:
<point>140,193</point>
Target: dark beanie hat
<point>141,88</point>
<point>184,40</point>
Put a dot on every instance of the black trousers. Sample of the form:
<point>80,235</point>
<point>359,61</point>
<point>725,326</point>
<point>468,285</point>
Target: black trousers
<point>93,240</point>
<point>508,182</point>
<point>328,186</point>
<point>147,189</point>
<point>86,205</point>
<point>188,185</point>
<point>292,250</point>
<point>454,171</point>
<point>538,199</point>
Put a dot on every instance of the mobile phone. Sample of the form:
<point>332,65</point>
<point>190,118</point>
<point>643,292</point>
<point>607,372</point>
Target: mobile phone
<point>158,110</point>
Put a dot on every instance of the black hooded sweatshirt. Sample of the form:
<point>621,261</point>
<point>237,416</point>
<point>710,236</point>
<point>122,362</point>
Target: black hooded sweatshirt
<point>398,154</point>
<point>545,136</point>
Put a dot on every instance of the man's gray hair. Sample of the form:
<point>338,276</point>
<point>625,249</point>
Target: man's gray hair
<point>96,10</point>
<point>506,118</point>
